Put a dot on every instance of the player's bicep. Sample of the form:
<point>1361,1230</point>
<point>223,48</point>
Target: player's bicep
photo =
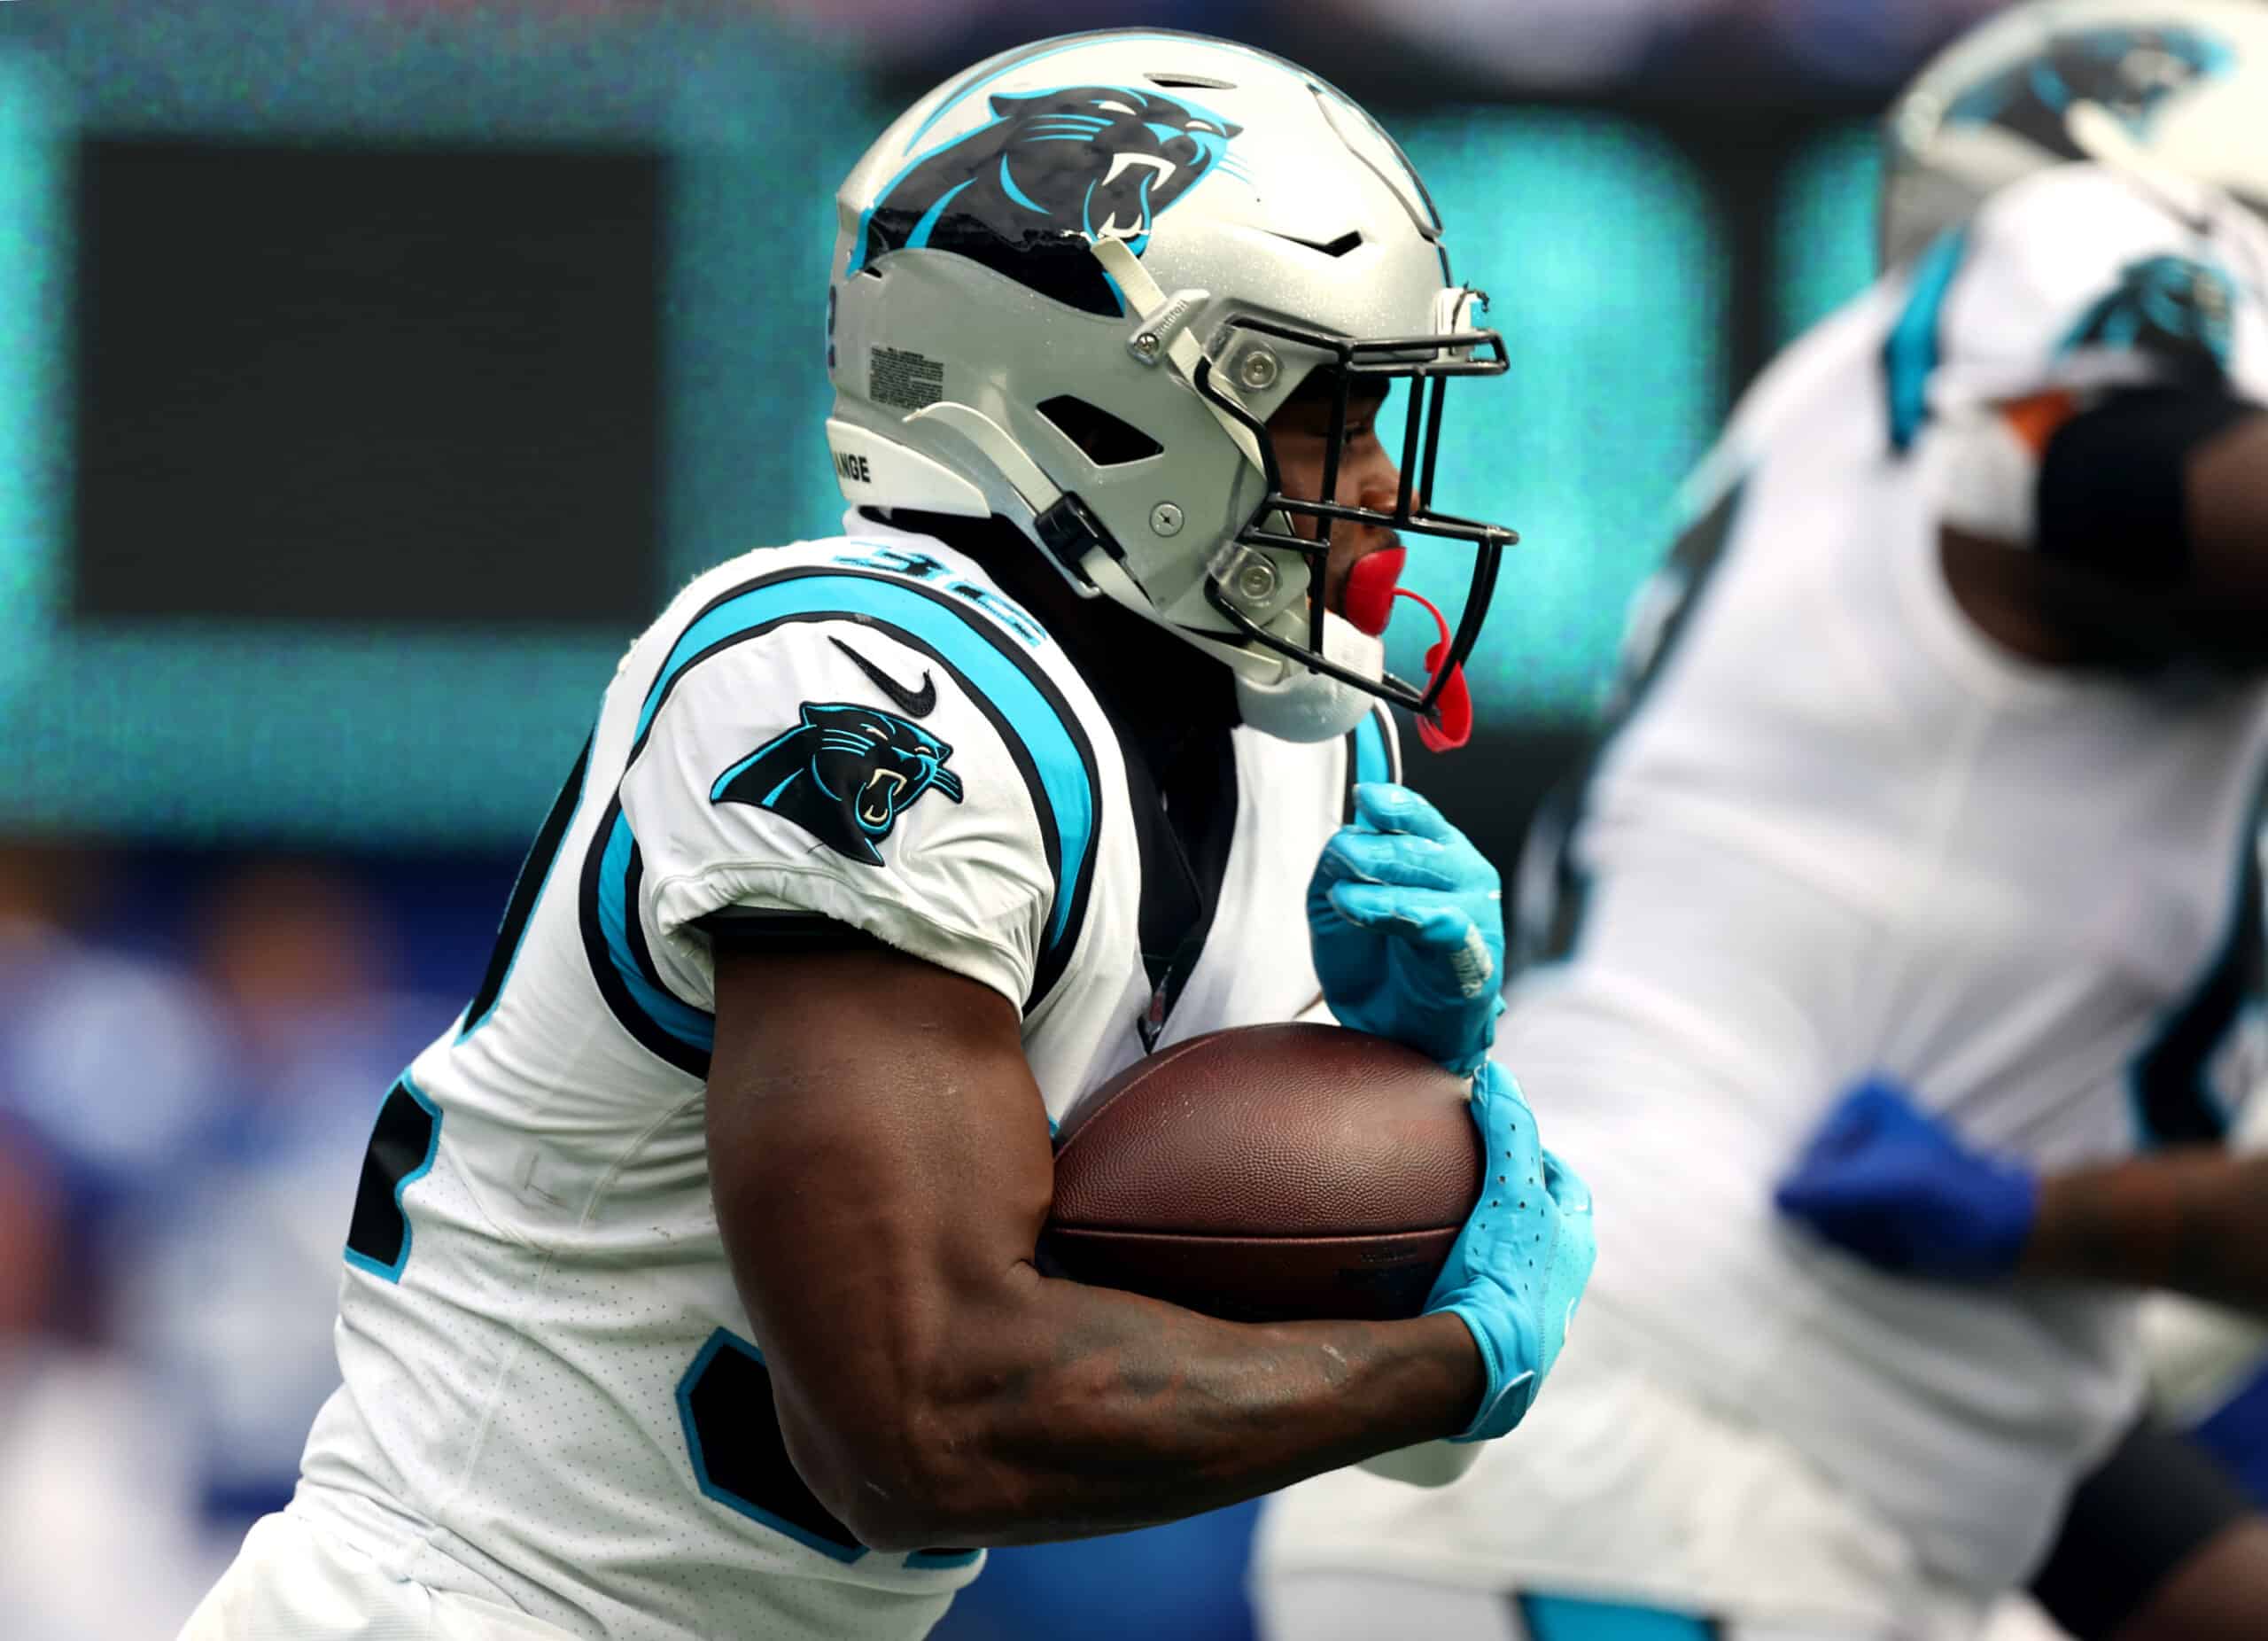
<point>2163,497</point>
<point>880,1159</point>
<point>2150,542</point>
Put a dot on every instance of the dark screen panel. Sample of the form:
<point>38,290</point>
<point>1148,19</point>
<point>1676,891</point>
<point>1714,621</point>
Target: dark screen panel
<point>409,385</point>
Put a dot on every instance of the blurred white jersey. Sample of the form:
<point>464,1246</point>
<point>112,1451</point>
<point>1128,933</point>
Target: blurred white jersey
<point>553,1398</point>
<point>1841,834</point>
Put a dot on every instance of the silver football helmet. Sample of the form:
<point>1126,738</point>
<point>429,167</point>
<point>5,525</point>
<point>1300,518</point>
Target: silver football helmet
<point>2176,86</point>
<point>1071,288</point>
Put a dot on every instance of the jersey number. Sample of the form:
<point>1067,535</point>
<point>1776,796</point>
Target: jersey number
<point>741,1459</point>
<point>535,871</point>
<point>403,1143</point>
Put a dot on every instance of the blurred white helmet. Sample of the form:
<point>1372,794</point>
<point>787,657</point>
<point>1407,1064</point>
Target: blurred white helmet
<point>1071,288</point>
<point>2178,86</point>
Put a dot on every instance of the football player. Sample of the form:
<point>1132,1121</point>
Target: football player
<point>1938,765</point>
<point>691,1286</point>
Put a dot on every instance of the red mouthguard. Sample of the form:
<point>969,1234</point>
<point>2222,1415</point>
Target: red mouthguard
<point>1371,589</point>
<point>1454,709</point>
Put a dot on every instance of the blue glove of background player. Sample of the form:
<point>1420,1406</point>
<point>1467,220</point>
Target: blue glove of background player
<point>1518,1267</point>
<point>1408,924</point>
<point>1895,1186</point>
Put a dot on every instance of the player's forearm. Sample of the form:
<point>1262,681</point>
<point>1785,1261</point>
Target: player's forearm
<point>1084,1410</point>
<point>2194,1221</point>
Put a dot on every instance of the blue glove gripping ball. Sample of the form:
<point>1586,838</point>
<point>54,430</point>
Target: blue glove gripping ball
<point>1517,1269</point>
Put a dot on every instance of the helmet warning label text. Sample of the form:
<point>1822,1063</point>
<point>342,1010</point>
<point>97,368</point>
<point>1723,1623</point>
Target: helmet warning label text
<point>904,380</point>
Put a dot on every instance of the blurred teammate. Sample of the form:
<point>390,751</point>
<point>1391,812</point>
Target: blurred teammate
<point>1938,764</point>
<point>691,1287</point>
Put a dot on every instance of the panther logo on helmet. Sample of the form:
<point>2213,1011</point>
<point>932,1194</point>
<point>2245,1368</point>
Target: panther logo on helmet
<point>2130,72</point>
<point>1027,193</point>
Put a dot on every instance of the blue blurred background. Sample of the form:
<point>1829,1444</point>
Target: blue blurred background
<point>370,371</point>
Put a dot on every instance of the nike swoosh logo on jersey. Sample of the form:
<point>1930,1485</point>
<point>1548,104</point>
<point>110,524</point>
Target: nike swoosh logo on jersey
<point>914,702</point>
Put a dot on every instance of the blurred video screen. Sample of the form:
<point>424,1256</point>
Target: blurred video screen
<point>416,383</point>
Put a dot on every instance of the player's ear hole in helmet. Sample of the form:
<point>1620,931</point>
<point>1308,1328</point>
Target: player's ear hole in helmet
<point>1102,437</point>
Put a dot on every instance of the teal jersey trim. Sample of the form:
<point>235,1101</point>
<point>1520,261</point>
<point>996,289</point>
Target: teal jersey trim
<point>2168,1082</point>
<point>1561,1618</point>
<point>1912,354</point>
<point>1373,760</point>
<point>620,870</point>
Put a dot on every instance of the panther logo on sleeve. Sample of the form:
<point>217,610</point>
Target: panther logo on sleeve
<point>845,774</point>
<point>2179,308</point>
<point>1052,172</point>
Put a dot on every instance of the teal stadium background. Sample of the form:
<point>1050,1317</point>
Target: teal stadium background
<point>1637,271</point>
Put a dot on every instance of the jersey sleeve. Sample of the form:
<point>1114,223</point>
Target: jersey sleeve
<point>2078,280</point>
<point>907,773</point>
<point>2075,284</point>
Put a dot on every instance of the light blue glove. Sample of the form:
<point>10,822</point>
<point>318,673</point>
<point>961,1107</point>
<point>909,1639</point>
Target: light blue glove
<point>1887,1181</point>
<point>1407,919</point>
<point>1518,1266</point>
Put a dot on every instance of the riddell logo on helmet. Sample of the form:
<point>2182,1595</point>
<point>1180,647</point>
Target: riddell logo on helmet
<point>1030,192</point>
<point>853,467</point>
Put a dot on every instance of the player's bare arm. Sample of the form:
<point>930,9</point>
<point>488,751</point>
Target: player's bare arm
<point>2193,1220</point>
<point>1898,1187</point>
<point>936,1389</point>
<point>2154,543</point>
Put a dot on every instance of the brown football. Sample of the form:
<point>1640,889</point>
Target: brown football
<point>1276,1172</point>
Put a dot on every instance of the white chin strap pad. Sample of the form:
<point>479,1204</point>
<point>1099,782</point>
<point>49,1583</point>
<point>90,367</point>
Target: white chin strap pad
<point>1305,707</point>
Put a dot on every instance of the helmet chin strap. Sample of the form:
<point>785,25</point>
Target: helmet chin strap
<point>1297,704</point>
<point>2103,138</point>
<point>1276,696</point>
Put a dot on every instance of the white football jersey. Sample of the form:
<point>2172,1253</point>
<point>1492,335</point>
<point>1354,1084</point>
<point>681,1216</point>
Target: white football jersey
<point>1841,834</point>
<point>552,1397</point>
